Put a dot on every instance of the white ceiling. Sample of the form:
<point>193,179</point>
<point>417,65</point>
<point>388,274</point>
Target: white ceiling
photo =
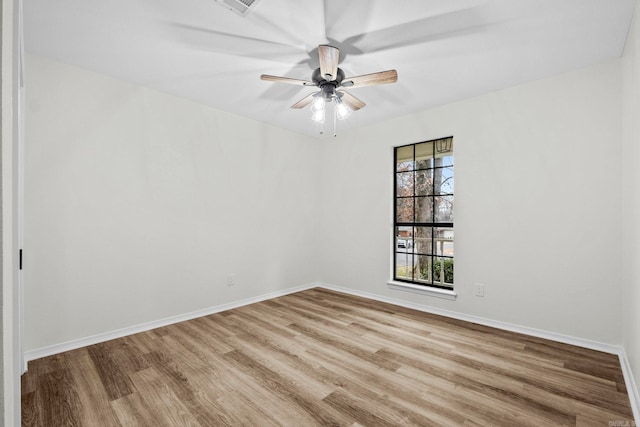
<point>443,50</point>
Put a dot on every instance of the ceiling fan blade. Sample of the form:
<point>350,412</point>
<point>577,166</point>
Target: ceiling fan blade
<point>287,80</point>
<point>305,101</point>
<point>236,44</point>
<point>442,26</point>
<point>329,57</point>
<point>379,78</point>
<point>351,101</point>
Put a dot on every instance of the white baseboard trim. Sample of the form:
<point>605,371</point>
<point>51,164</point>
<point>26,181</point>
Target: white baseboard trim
<point>580,342</point>
<point>119,333</point>
<point>632,388</point>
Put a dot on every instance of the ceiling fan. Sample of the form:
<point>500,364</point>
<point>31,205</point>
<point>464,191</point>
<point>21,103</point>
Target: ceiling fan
<point>331,79</point>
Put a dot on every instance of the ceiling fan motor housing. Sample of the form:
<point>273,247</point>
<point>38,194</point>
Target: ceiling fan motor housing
<point>328,88</point>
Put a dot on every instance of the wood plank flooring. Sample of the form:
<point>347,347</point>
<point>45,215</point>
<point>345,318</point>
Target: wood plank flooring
<point>323,358</point>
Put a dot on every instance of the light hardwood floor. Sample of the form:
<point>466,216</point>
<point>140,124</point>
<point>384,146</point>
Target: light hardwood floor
<point>322,358</point>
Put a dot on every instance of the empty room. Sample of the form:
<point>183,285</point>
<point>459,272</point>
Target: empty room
<point>317,212</point>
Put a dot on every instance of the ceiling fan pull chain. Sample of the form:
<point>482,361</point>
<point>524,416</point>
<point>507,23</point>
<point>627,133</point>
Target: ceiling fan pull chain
<point>335,121</point>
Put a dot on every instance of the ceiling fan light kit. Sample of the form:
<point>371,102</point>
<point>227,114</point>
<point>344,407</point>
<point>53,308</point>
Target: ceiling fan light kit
<point>318,107</point>
<point>342,110</point>
<point>329,78</point>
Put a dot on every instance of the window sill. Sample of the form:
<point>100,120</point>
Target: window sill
<point>421,289</point>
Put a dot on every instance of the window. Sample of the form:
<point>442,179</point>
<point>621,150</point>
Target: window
<point>423,213</point>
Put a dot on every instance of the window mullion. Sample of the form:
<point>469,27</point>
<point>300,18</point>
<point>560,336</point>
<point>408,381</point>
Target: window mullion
<point>413,228</point>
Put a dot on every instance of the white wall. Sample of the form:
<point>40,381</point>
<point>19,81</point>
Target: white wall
<point>631,195</point>
<point>138,205</point>
<point>538,196</point>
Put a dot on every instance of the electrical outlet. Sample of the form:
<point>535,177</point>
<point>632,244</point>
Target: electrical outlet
<point>231,279</point>
<point>478,289</point>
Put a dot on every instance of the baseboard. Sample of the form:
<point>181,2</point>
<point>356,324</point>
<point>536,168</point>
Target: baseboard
<point>95,339</point>
<point>632,387</point>
<point>119,333</point>
<point>580,342</point>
